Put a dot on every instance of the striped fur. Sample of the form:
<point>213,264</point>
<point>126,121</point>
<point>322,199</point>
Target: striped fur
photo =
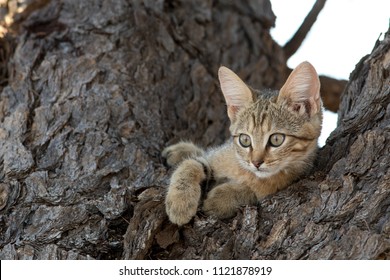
<point>244,174</point>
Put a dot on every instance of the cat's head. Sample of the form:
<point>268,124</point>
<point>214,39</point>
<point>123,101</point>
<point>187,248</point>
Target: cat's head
<point>274,131</point>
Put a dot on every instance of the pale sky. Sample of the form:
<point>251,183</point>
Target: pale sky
<point>345,31</point>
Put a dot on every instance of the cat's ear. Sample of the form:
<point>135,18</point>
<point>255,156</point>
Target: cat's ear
<point>301,92</point>
<point>237,94</point>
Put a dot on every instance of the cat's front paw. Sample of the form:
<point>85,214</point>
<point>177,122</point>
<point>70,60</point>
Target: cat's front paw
<point>182,200</point>
<point>176,153</point>
<point>220,202</point>
<point>180,208</point>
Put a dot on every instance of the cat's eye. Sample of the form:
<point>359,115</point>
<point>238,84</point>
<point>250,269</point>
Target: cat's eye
<point>276,139</point>
<point>245,140</point>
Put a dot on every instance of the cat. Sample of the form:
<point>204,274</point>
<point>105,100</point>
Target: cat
<point>274,142</point>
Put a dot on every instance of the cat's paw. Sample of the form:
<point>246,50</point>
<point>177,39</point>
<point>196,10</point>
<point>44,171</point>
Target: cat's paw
<point>181,208</point>
<point>176,153</point>
<point>182,200</point>
<point>220,202</point>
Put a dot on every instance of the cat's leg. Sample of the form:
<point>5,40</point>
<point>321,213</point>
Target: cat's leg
<point>224,200</point>
<point>184,192</point>
<point>176,153</point>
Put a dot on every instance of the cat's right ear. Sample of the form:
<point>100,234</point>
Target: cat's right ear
<point>237,94</point>
<point>301,92</point>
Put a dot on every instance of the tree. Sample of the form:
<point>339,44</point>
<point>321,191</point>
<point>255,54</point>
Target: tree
<point>93,90</point>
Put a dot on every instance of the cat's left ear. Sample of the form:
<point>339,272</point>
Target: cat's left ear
<point>237,94</point>
<point>301,92</point>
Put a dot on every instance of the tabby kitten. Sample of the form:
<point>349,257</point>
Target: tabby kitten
<point>274,141</point>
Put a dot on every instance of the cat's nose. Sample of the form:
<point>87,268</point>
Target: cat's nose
<point>257,163</point>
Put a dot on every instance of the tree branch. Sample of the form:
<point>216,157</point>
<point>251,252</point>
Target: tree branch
<point>295,42</point>
<point>331,90</point>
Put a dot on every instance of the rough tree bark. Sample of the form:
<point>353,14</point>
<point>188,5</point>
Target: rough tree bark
<point>95,89</point>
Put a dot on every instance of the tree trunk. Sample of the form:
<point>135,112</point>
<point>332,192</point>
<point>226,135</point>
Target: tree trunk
<point>95,89</point>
